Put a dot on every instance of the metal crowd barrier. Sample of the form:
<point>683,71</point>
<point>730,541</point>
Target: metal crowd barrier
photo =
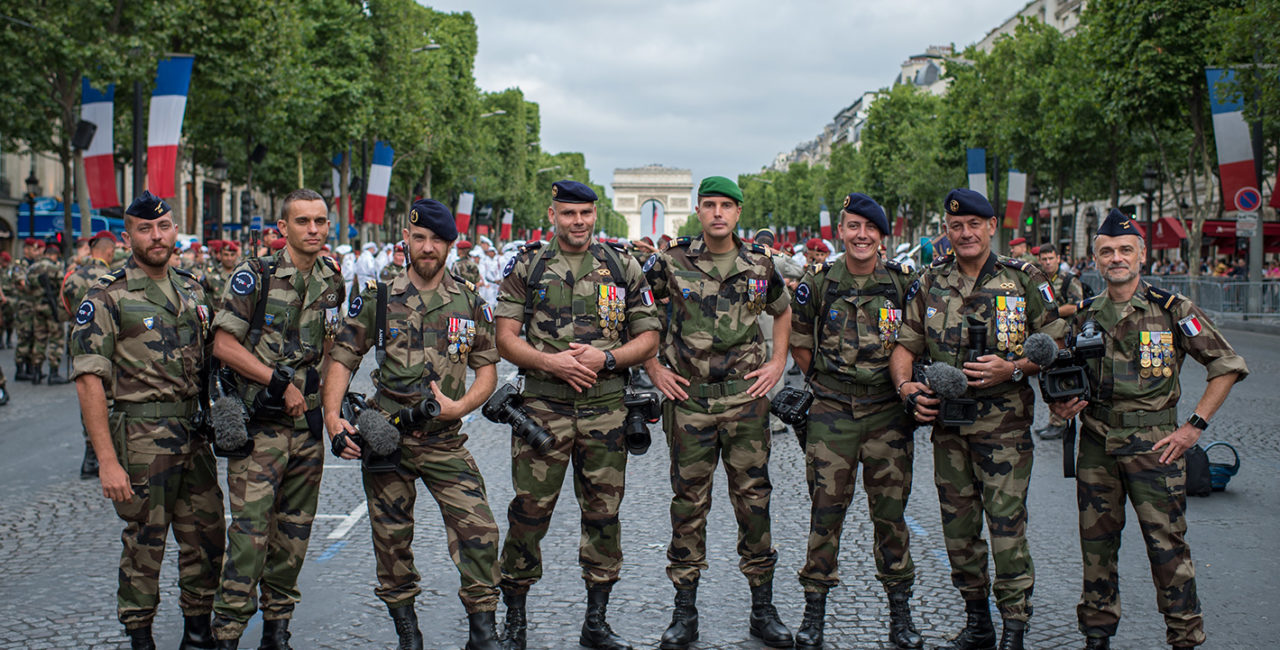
<point>1220,296</point>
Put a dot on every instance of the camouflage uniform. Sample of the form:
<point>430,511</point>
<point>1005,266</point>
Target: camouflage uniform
<point>984,468</point>
<point>149,354</point>
<point>466,269</point>
<point>421,328</point>
<point>587,426</point>
<point>392,271</point>
<point>713,339</point>
<point>8,311</point>
<point>1136,406</point>
<point>273,491</point>
<point>39,319</point>
<point>76,286</point>
<point>1069,290</point>
<point>216,278</point>
<point>855,417</point>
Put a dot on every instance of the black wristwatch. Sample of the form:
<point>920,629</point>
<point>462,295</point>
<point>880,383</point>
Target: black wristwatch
<point>1198,422</point>
<point>610,363</point>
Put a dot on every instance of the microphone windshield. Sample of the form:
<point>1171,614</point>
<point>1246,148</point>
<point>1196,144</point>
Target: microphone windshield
<point>229,432</point>
<point>381,437</point>
<point>947,381</point>
<point>1041,349</point>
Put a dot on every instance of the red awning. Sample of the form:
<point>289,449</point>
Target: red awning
<point>1169,233</point>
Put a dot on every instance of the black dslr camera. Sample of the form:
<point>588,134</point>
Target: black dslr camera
<point>644,407</point>
<point>791,405</point>
<point>1066,377</point>
<point>270,400</point>
<point>412,418</point>
<point>356,410</point>
<point>505,406</point>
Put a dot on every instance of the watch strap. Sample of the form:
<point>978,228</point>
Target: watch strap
<point>1198,422</point>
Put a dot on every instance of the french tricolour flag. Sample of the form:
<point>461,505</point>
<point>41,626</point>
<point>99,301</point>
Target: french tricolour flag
<point>1017,197</point>
<point>537,235</point>
<point>508,219</point>
<point>336,176</point>
<point>1235,152</point>
<point>168,105</point>
<point>824,220</point>
<point>375,200</point>
<point>466,202</point>
<point>977,164</point>
<point>99,165</point>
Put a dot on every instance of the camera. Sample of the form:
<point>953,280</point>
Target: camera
<point>791,405</point>
<point>644,407</point>
<point>977,339</point>
<point>505,406</point>
<point>1065,377</point>
<point>958,412</point>
<point>379,442</point>
<point>415,417</point>
<point>271,399</point>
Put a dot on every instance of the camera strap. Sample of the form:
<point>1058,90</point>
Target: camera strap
<point>1069,450</point>
<point>380,324</point>
<point>266,269</point>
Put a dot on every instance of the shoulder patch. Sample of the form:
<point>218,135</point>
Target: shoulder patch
<point>511,264</point>
<point>912,291</point>
<point>1191,325</point>
<point>357,303</point>
<point>243,283</point>
<point>803,293</point>
<point>683,241</point>
<point>1014,263</point>
<point>648,263</point>
<point>85,313</point>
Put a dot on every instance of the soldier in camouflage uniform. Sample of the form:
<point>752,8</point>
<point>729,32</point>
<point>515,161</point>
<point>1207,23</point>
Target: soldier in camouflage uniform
<point>273,491</point>
<point>579,302</point>
<point>141,339</point>
<point>227,259</point>
<point>465,267</point>
<point>395,268</point>
<point>74,288</point>
<point>1070,291</point>
<point>4,302</point>
<point>983,468</point>
<point>437,327</point>
<point>715,374</point>
<point>9,285</point>
<point>31,253</point>
<point>1019,250</point>
<point>56,345</point>
<point>844,322</point>
<point>39,319</point>
<point>1132,445</point>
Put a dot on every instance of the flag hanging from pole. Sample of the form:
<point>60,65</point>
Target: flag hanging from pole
<point>977,164</point>
<point>508,219</point>
<point>375,200</point>
<point>336,176</point>
<point>164,123</point>
<point>824,220</point>
<point>537,235</point>
<point>1017,197</point>
<point>1236,172</point>
<point>466,202</point>
<point>99,162</point>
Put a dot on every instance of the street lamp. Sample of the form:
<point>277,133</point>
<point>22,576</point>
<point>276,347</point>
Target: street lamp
<point>1150,177</point>
<point>33,188</point>
<point>431,45</point>
<point>547,169</point>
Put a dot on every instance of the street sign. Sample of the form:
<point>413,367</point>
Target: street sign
<point>255,222</point>
<point>1248,198</point>
<point>1246,224</point>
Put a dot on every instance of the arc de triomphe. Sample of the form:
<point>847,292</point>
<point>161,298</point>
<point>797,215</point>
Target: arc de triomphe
<point>651,196</point>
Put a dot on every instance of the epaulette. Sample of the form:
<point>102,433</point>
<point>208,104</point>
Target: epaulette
<point>113,276</point>
<point>820,267</point>
<point>1084,304</point>
<point>464,282</point>
<point>621,248</point>
<point>941,261</point>
<point>327,261</point>
<point>370,285</point>
<point>530,246</point>
<point>757,248</point>
<point>895,265</point>
<point>1165,299</point>
<point>682,241</point>
<point>185,272</point>
<point>1014,263</point>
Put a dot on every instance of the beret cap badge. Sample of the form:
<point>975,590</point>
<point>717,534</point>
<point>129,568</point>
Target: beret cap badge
<point>955,205</point>
<point>846,201</point>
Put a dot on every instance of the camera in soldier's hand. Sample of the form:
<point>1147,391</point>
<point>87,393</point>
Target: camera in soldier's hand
<point>415,417</point>
<point>1063,374</point>
<point>644,407</point>
<point>791,405</point>
<point>378,440</point>
<point>949,384</point>
<point>506,406</point>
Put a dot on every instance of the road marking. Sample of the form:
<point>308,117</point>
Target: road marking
<point>351,466</point>
<point>345,527</point>
<point>332,550</point>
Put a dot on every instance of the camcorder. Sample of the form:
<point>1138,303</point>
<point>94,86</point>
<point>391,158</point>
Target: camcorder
<point>227,414</point>
<point>506,406</point>
<point>791,405</point>
<point>412,418</point>
<point>270,400</point>
<point>378,440</point>
<point>949,384</point>
<point>644,407</point>
<point>1063,376</point>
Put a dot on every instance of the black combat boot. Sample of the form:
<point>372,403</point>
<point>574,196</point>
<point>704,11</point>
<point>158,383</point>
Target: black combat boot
<point>56,379</point>
<point>516,625</point>
<point>765,624</point>
<point>596,632</point>
<point>228,644</point>
<point>37,374</point>
<point>196,630</point>
<point>809,636</point>
<point>902,632</point>
<point>89,466</point>
<point>1011,637</point>
<point>684,620</point>
<point>275,635</point>
<point>406,621</point>
<point>483,635</point>
<point>20,372</point>
<point>978,633</point>
<point>1097,643</point>
<point>140,638</point>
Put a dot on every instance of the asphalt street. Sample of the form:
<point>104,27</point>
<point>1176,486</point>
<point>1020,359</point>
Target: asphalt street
<point>59,545</point>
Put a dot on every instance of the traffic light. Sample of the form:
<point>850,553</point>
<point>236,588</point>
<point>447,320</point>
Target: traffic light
<point>246,207</point>
<point>1031,221</point>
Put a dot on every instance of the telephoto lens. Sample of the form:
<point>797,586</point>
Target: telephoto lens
<point>505,406</point>
<point>643,408</point>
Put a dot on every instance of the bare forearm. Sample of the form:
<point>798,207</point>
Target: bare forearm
<point>93,412</point>
<point>781,334</point>
<point>336,378</point>
<point>900,361</point>
<point>238,358</point>
<point>638,350</point>
<point>480,390</point>
<point>1215,394</point>
<point>513,347</point>
<point>803,357</point>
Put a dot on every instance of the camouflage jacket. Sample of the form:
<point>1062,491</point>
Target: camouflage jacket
<point>431,336</point>
<point>851,322</point>
<point>714,334</point>
<point>76,285</point>
<point>216,279</point>
<point>41,275</point>
<point>466,269</point>
<point>144,348</point>
<point>391,272</point>
<point>1067,287</point>
<point>568,307</point>
<point>1147,339</point>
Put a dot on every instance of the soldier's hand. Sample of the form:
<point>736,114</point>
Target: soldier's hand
<point>766,376</point>
<point>1177,442</point>
<point>589,357</point>
<point>294,403</point>
<point>667,381</point>
<point>988,370</point>
<point>920,398</point>
<point>115,482</point>
<point>338,425</point>
<point>1068,409</point>
<point>449,409</point>
<point>568,368</point>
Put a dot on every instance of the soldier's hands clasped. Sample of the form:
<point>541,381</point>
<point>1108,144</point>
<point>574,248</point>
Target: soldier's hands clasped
<point>568,366</point>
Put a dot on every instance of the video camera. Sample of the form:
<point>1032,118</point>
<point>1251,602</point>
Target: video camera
<point>415,417</point>
<point>791,405</point>
<point>1063,374</point>
<point>949,384</point>
<point>644,407</point>
<point>506,406</point>
<point>271,398</point>
<point>379,442</point>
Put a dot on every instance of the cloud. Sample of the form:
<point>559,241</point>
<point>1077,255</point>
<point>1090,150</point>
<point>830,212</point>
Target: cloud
<point>716,86</point>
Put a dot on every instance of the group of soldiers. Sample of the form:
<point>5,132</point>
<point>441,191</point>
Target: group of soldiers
<point>873,338</point>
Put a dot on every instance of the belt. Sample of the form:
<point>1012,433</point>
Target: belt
<point>392,407</point>
<point>722,389</point>
<point>847,388</point>
<point>1133,418</point>
<point>155,410</point>
<point>562,391</point>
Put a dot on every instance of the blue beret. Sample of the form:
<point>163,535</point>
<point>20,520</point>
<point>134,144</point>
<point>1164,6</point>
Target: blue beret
<point>966,201</point>
<point>148,206</point>
<point>572,192</point>
<point>1117,223</point>
<point>865,206</point>
<point>434,216</point>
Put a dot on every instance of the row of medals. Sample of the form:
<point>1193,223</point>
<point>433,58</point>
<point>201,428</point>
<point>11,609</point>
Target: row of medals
<point>756,293</point>
<point>1011,323</point>
<point>461,333</point>
<point>611,303</point>
<point>890,321</point>
<point>1156,353</point>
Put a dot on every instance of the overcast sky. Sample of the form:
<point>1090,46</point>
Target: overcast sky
<point>716,86</point>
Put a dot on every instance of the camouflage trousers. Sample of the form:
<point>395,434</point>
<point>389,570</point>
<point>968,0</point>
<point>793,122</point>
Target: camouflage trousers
<point>840,438</point>
<point>1158,494</point>
<point>178,491</point>
<point>700,432</point>
<point>40,337</point>
<point>587,434</point>
<point>450,474</point>
<point>272,494</point>
<point>986,473</point>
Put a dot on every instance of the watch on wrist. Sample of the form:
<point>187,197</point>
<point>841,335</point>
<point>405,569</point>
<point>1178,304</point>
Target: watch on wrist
<point>1198,422</point>
<point>610,363</point>
<point>1017,373</point>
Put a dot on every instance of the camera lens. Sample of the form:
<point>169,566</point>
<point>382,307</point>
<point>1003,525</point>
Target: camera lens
<point>536,436</point>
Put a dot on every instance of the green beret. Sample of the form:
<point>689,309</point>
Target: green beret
<point>720,186</point>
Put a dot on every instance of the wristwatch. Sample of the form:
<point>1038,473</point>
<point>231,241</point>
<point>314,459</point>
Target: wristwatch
<point>1198,422</point>
<point>1017,373</point>
<point>610,363</point>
